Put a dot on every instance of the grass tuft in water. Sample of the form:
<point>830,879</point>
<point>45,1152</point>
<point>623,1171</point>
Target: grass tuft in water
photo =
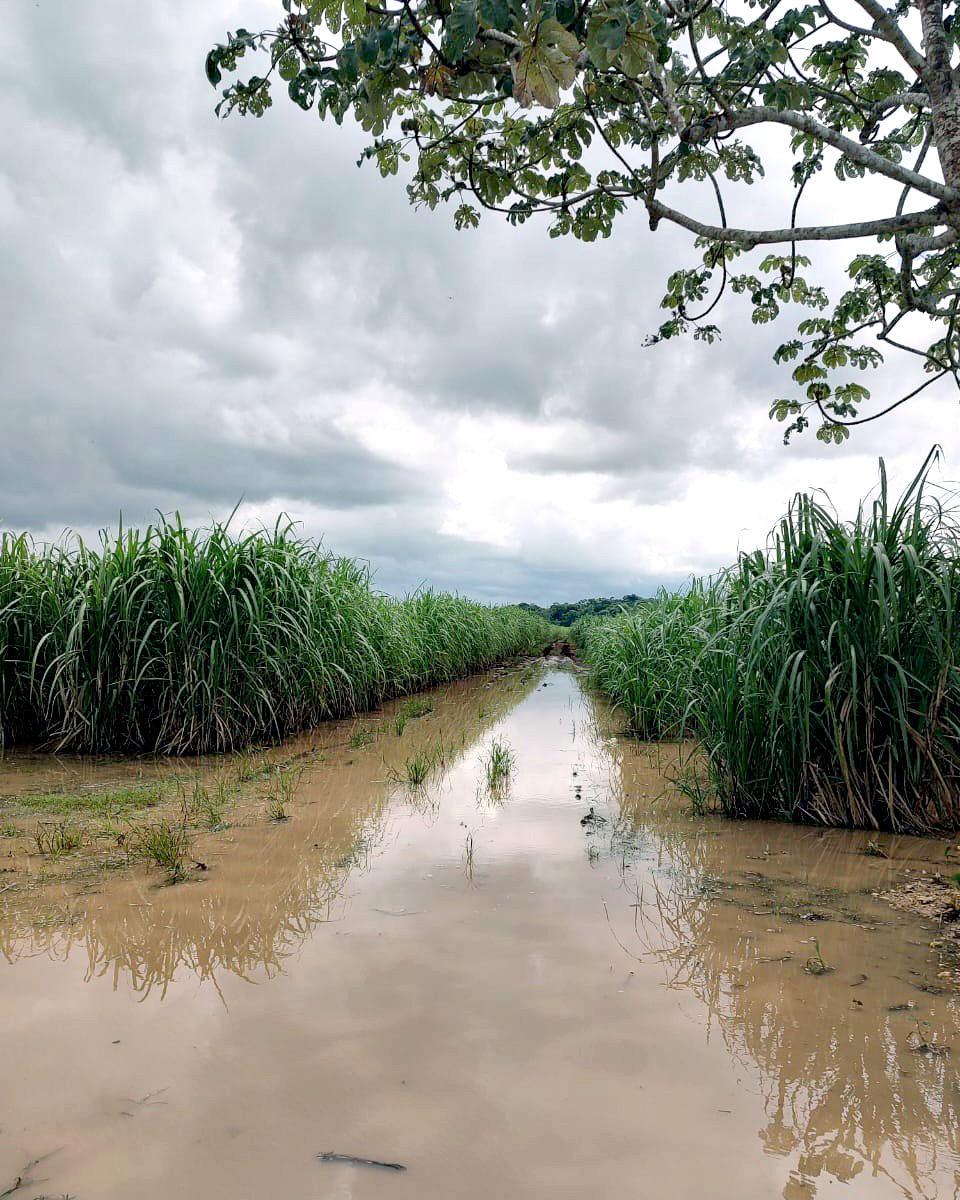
<point>285,783</point>
<point>208,807</point>
<point>419,768</point>
<point>815,964</point>
<point>56,840</point>
<point>164,843</point>
<point>498,765</point>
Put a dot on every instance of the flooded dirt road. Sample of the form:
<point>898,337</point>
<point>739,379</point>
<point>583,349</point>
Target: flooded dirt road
<point>570,987</point>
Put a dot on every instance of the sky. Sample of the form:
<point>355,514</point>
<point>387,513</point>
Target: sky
<point>203,315</point>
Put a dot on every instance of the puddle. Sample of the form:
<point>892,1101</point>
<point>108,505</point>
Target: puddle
<point>571,987</point>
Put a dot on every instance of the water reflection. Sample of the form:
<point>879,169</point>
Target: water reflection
<point>283,882</point>
<point>727,914</point>
<point>741,915</point>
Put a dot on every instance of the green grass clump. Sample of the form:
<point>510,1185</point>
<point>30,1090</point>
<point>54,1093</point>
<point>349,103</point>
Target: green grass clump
<point>419,768</point>
<point>285,783</point>
<point>643,656</point>
<point>55,840</point>
<point>498,765</point>
<point>178,641</point>
<point>164,843</point>
<point>820,673</point>
<point>208,805</point>
<point>103,802</point>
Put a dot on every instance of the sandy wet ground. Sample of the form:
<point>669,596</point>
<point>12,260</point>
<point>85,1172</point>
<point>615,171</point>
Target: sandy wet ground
<point>573,989</point>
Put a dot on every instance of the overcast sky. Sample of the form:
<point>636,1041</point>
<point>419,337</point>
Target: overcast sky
<point>196,313</point>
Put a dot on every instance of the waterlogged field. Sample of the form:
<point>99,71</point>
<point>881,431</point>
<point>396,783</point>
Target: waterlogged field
<point>488,942</point>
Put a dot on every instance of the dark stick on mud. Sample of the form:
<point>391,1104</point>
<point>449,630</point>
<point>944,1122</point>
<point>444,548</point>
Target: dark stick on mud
<point>25,1178</point>
<point>329,1156</point>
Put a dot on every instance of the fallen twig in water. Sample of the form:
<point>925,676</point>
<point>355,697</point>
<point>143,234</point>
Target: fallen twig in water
<point>352,1160</point>
<point>25,1179</point>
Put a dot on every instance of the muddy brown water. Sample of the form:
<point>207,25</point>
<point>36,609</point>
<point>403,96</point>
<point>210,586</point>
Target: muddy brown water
<point>482,987</point>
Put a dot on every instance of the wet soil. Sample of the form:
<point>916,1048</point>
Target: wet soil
<point>570,985</point>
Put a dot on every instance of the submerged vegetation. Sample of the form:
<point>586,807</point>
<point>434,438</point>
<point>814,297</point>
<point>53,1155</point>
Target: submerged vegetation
<point>820,674</point>
<point>180,641</point>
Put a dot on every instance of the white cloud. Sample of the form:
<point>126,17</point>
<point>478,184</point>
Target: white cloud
<point>196,311</point>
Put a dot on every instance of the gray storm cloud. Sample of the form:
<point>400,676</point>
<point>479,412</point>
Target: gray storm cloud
<point>196,312</point>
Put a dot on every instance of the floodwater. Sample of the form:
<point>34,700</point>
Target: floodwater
<point>571,988</point>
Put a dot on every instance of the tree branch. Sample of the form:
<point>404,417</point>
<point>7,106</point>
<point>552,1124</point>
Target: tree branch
<point>891,32</point>
<point>810,233</point>
<point>762,114</point>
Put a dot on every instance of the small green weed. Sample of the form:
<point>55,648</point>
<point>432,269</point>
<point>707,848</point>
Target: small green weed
<point>55,840</point>
<point>695,786</point>
<point>10,831</point>
<point>212,805</point>
<point>285,781</point>
<point>417,707</point>
<point>419,768</point>
<point>360,738</point>
<point>164,843</point>
<point>498,765</point>
<point>252,764</point>
<point>400,723</point>
<point>468,862</point>
<point>815,964</point>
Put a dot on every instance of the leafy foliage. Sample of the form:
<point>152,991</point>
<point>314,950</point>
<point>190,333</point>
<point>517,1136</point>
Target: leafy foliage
<point>567,613</point>
<point>821,673</point>
<point>578,110</point>
<point>183,640</point>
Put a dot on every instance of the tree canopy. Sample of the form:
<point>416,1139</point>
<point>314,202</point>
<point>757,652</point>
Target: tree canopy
<point>581,109</point>
<point>566,613</point>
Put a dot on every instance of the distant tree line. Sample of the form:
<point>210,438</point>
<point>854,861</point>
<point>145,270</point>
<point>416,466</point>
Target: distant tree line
<point>566,614</point>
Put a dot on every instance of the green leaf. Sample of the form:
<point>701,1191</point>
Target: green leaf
<point>289,67</point>
<point>546,64</point>
<point>638,43</point>
<point>831,432</point>
<point>612,31</point>
<point>461,29</point>
<point>369,48</point>
<point>494,14</point>
<point>214,74</point>
<point>466,217</point>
